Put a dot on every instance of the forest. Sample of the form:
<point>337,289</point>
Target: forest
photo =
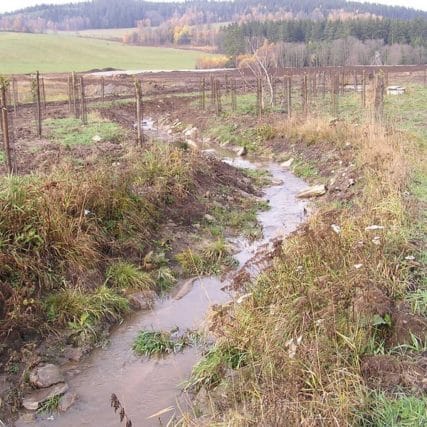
<point>126,13</point>
<point>350,42</point>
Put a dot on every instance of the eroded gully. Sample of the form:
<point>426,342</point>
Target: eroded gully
<point>147,386</point>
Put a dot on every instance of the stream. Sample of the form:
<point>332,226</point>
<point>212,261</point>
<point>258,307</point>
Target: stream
<point>146,386</point>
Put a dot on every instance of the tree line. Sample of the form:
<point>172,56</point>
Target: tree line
<point>126,13</point>
<point>350,42</point>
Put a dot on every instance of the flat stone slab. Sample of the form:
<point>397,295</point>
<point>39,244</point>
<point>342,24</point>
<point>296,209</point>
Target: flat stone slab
<point>35,399</point>
<point>315,191</point>
<point>46,375</point>
<point>67,400</point>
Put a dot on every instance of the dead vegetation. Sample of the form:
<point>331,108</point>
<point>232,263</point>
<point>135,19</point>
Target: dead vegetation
<point>326,328</point>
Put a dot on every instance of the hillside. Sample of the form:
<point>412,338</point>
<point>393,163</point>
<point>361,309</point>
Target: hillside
<point>24,53</point>
<point>126,13</point>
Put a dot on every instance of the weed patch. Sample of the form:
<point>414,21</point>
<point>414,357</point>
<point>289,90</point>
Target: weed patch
<point>124,275</point>
<point>402,411</point>
<point>211,368</point>
<point>71,132</point>
<point>151,343</point>
<point>329,298</point>
<point>82,310</point>
<point>211,259</point>
<point>50,406</point>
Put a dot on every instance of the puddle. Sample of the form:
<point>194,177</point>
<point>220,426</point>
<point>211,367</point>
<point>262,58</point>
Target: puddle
<point>147,386</point>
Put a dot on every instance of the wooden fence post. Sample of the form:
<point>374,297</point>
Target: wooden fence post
<point>139,113</point>
<point>38,105</point>
<point>379,86</point>
<point>304,94</point>
<point>83,101</point>
<point>15,95</point>
<point>43,90</point>
<point>289,92</point>
<point>334,92</point>
<point>274,92</point>
<point>102,89</point>
<point>233,95</point>
<point>363,89</point>
<point>213,93</point>
<point>218,103</point>
<point>203,93</point>
<point>74,94</point>
<point>5,124</point>
<point>69,82</point>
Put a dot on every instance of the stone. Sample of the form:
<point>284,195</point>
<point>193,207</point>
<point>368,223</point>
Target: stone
<point>243,298</point>
<point>374,227</point>
<point>46,375</point>
<point>209,218</point>
<point>141,300</point>
<point>67,400</point>
<point>314,191</point>
<point>27,418</point>
<point>35,399</point>
<point>336,228</point>
<point>242,151</point>
<point>191,133</point>
<point>191,143</point>
<point>376,240</point>
<point>97,138</point>
<point>288,163</point>
<point>276,181</point>
<point>73,353</point>
<point>184,289</point>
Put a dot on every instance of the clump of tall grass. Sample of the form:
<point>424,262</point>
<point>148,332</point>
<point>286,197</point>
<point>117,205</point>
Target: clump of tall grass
<point>211,259</point>
<point>124,275</point>
<point>61,228</point>
<point>72,305</point>
<point>150,343</point>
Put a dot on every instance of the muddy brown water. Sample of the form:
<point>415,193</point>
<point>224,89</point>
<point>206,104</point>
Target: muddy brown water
<point>146,386</point>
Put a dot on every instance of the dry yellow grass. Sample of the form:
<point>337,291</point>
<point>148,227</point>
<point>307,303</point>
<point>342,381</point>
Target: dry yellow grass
<point>308,322</point>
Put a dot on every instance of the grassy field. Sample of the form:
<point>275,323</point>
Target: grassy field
<point>102,33</point>
<point>25,53</point>
<point>118,33</point>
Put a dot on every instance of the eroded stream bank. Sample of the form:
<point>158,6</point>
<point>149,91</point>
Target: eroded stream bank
<point>147,386</point>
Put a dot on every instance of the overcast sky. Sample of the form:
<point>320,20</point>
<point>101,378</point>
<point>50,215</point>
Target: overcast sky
<point>10,5</point>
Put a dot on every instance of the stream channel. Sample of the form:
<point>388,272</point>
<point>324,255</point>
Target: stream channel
<point>146,386</point>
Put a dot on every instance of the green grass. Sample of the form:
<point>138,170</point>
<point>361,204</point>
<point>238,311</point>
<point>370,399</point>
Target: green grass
<point>124,275</point>
<point>81,310</point>
<point>261,177</point>
<point>164,278</point>
<point>239,220</point>
<point>211,259</point>
<point>150,343</point>
<point>404,411</point>
<point>50,405</point>
<point>210,369</point>
<point>2,158</point>
<point>102,33</point>
<point>228,132</point>
<point>303,169</point>
<point>71,131</point>
<point>48,53</point>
